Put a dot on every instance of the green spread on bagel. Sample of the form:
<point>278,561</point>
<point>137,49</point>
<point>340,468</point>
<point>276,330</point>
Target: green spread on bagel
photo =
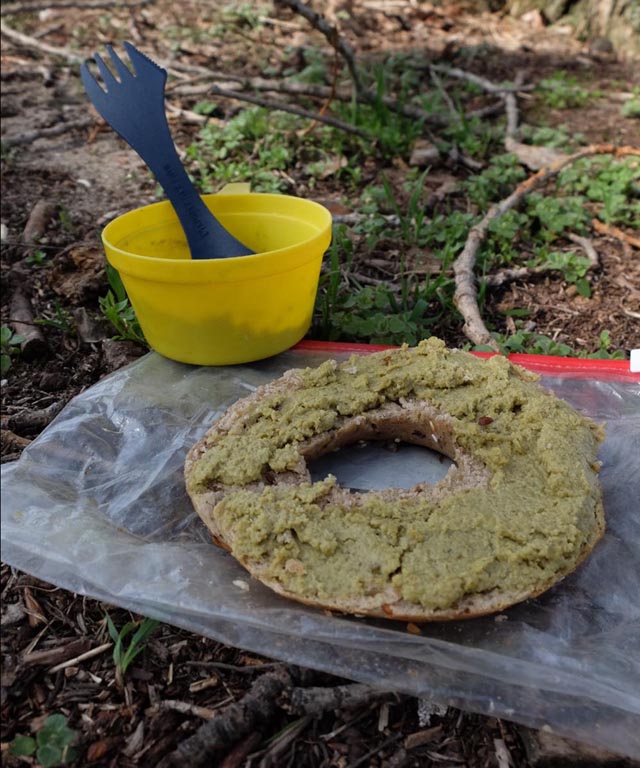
<point>530,521</point>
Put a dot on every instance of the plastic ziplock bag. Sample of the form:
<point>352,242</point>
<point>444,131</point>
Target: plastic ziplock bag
<point>97,505</point>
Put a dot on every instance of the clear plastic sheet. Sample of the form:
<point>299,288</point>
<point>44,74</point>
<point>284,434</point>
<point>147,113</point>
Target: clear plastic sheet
<point>97,505</point>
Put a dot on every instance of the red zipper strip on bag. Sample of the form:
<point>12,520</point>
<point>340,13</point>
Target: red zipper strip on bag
<point>548,365</point>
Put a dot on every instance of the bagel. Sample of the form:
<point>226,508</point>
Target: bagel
<point>518,510</point>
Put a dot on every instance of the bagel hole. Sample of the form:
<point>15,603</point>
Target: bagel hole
<point>375,465</point>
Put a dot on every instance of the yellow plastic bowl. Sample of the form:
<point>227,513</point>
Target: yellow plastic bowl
<point>223,311</point>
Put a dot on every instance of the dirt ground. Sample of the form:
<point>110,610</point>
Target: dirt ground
<point>66,186</point>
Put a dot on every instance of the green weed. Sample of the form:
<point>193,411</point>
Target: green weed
<point>51,746</point>
<point>631,107</point>
<point>59,318</point>
<point>548,136</point>
<point>412,214</point>
<point>122,657</point>
<point>66,222</point>
<point>612,185</point>
<point>9,347</point>
<point>116,307</point>
<point>254,146</point>
<point>551,216</point>
<point>37,258</point>
<point>496,181</point>
<point>562,91</point>
<point>538,344</point>
<point>573,267</point>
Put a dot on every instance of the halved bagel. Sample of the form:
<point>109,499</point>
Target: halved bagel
<point>520,508</point>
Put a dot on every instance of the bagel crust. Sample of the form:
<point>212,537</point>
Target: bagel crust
<point>518,510</point>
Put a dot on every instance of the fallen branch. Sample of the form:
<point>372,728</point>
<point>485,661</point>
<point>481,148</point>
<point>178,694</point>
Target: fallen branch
<point>587,247</point>
<point>14,442</point>
<point>334,122</point>
<point>316,701</point>
<point>482,82</point>
<point>186,708</point>
<point>465,296</point>
<point>38,221</point>
<point>82,657</point>
<point>31,42</point>
<point>607,229</point>
<point>57,654</point>
<point>234,723</point>
<point>33,345</point>
<point>33,422</point>
<point>332,35</point>
<point>17,8</point>
<point>28,137</point>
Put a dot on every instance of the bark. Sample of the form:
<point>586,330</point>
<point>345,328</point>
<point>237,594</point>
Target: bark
<point>617,21</point>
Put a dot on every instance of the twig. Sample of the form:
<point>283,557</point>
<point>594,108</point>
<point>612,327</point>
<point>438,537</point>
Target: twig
<point>445,96</point>
<point>354,217</point>
<point>30,42</point>
<point>63,652</point>
<point>17,8</point>
<point>33,345</point>
<point>348,128</point>
<point>279,745</point>
<point>587,247</point>
<point>239,719</point>
<point>316,701</point>
<point>607,229</point>
<point>465,296</point>
<point>28,137</point>
<point>364,760</point>
<point>187,88</point>
<point>187,708</point>
<point>82,657</point>
<point>39,218</point>
<point>331,34</point>
<point>482,82</point>
<point>11,440</point>
<point>249,669</point>
<point>32,422</point>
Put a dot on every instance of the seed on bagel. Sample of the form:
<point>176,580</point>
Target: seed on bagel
<point>519,509</point>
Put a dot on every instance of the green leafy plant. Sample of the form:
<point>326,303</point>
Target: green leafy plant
<point>604,351</point>
<point>548,136</point>
<point>37,258</point>
<point>562,91</point>
<point>612,185</point>
<point>539,344</point>
<point>58,318</point>
<point>496,181</point>
<point>52,744</point>
<point>116,307</point>
<point>66,222</point>
<point>255,145</point>
<point>411,214</point>
<point>553,215</point>
<point>573,267</point>
<point>9,346</point>
<point>122,657</point>
<point>631,107</point>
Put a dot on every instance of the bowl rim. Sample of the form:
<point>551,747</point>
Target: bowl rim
<point>224,201</point>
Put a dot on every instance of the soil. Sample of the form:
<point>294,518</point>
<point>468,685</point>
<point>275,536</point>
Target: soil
<point>82,178</point>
